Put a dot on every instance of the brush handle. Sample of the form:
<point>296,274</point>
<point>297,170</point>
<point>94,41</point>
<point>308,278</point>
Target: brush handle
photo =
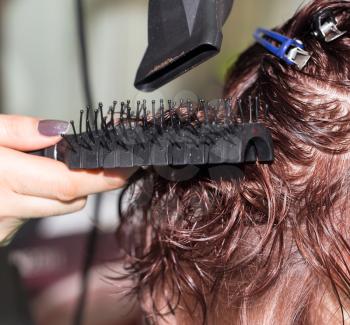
<point>60,152</point>
<point>47,152</point>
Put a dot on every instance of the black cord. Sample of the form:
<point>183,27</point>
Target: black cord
<point>91,242</point>
<point>90,253</point>
<point>83,51</point>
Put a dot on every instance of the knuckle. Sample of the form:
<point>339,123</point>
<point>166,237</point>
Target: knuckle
<point>16,128</point>
<point>82,203</point>
<point>7,209</point>
<point>9,127</point>
<point>66,189</point>
<point>77,205</point>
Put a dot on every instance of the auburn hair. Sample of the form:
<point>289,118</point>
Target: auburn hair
<point>270,246</point>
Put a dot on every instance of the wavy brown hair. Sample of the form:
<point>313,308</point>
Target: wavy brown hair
<point>271,246</point>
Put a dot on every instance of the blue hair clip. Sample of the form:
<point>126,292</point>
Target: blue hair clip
<point>290,50</point>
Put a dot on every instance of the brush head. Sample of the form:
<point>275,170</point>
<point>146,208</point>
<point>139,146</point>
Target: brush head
<point>168,134</point>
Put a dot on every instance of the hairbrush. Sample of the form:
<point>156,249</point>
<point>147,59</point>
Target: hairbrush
<point>201,133</point>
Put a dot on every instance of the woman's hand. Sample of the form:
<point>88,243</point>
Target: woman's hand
<point>33,186</point>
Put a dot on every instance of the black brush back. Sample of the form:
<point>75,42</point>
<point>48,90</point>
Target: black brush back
<point>189,133</point>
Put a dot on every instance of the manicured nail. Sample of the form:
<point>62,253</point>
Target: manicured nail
<point>52,128</point>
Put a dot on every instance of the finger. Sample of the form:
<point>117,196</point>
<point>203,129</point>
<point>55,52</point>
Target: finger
<point>30,207</point>
<point>24,206</point>
<point>43,177</point>
<point>28,133</point>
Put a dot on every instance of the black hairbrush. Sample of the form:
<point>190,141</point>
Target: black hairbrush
<point>176,135</point>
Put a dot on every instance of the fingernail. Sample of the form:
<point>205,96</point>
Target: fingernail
<point>52,128</point>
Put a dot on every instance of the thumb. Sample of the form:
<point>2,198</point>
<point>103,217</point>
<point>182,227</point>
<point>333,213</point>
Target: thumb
<point>28,133</point>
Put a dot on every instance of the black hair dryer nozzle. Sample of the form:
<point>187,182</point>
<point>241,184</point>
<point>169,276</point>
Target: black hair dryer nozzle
<point>181,35</point>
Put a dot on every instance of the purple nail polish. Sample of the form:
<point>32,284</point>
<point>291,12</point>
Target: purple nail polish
<point>52,128</point>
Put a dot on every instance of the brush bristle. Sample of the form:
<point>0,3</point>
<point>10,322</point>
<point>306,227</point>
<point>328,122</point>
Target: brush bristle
<point>185,112</point>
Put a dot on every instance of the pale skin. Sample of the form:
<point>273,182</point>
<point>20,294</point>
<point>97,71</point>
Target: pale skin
<point>35,187</point>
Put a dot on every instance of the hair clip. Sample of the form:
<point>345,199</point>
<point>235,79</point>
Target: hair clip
<point>290,50</point>
<point>324,26</point>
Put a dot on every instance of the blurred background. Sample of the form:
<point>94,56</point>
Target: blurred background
<point>39,57</point>
<point>40,76</point>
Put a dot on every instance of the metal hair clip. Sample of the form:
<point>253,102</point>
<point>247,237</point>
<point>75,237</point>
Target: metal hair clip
<point>289,50</point>
<point>324,26</point>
